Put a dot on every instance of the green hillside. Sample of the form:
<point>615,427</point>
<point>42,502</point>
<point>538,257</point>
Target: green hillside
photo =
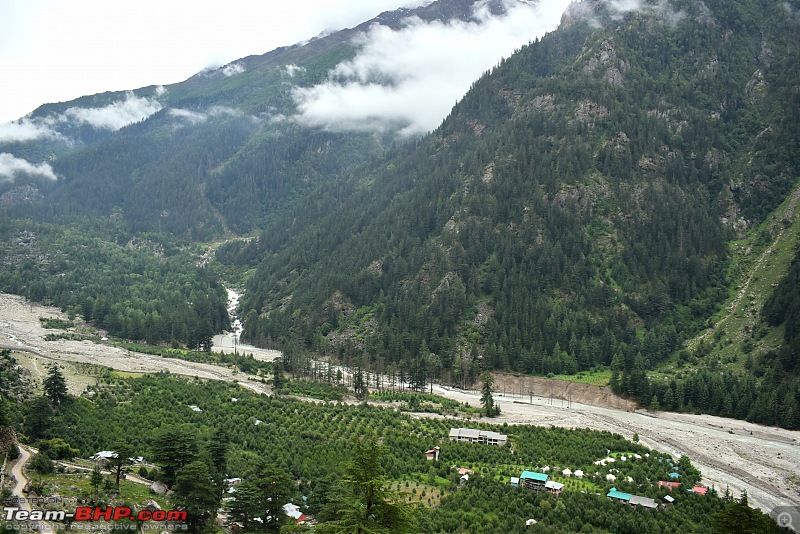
<point>575,210</point>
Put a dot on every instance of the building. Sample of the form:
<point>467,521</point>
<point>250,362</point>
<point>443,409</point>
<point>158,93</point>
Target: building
<point>432,454</point>
<point>578,474</point>
<point>470,435</point>
<point>700,490</point>
<point>533,480</point>
<point>515,482</point>
<point>645,502</point>
<point>669,499</point>
<point>553,487</point>
<point>620,495</point>
<point>670,485</point>
<point>293,511</point>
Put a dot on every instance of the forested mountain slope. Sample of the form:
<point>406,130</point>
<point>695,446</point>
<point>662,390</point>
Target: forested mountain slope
<point>574,209</point>
<point>210,155</point>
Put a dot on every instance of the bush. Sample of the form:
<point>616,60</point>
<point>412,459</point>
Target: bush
<point>42,464</point>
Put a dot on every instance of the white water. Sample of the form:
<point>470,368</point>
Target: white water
<point>229,341</point>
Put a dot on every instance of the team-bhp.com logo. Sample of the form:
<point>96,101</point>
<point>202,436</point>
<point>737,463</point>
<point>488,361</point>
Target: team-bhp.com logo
<point>95,513</point>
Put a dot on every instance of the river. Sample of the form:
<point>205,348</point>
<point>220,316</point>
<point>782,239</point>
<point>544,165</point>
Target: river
<point>229,342</point>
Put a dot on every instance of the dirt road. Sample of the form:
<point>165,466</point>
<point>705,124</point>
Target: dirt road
<point>730,453</point>
<point>17,471</point>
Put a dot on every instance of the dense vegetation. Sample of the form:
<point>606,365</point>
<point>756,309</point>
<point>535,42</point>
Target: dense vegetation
<point>569,214</point>
<point>236,432</point>
<point>133,291</point>
<point>574,212</point>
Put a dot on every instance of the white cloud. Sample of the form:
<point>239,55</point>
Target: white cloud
<point>190,116</point>
<point>414,76</point>
<point>291,70</point>
<point>233,68</point>
<point>26,130</point>
<point>161,90</point>
<point>195,117</point>
<point>116,115</point>
<point>10,166</point>
<point>626,5</point>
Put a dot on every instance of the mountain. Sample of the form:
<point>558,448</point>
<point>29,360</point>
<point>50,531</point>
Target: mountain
<point>606,198</point>
<point>213,154</point>
<point>573,212</point>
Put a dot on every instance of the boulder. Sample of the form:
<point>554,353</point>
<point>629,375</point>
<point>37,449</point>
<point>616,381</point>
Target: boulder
<point>159,488</point>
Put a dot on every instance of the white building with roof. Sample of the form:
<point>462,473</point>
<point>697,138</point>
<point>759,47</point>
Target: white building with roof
<point>470,435</point>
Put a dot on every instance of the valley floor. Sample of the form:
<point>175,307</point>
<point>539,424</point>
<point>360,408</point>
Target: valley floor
<point>730,453</point>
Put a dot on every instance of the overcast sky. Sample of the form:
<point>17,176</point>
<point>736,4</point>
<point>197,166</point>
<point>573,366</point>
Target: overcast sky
<point>52,51</point>
<point>58,50</point>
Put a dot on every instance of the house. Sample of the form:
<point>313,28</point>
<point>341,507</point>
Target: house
<point>515,482</point>
<point>293,511</point>
<point>470,435</point>
<point>532,480</point>
<point>702,490</point>
<point>553,487</point>
<point>622,496</point>
<point>567,472</point>
<point>669,499</point>
<point>578,474</point>
<point>645,502</point>
<point>464,479</point>
<point>670,485</point>
<point>432,454</point>
<point>104,456</point>
<point>674,476</point>
<point>465,471</point>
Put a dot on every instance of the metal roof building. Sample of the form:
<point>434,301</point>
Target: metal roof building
<point>647,502</point>
<point>622,496</point>
<point>470,435</point>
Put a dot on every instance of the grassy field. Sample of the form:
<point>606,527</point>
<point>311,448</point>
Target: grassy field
<point>594,378</point>
<point>75,486</point>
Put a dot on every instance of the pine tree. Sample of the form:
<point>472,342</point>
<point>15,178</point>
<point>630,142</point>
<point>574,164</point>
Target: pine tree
<point>55,386</point>
<point>369,507</point>
<point>490,409</point>
<point>195,491</point>
<point>278,379</point>
<point>97,479</point>
<point>121,459</point>
<point>173,448</point>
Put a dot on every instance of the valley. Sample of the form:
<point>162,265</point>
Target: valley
<point>730,453</point>
<point>602,228</point>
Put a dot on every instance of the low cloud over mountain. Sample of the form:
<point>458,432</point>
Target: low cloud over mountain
<point>413,76</point>
<point>11,166</point>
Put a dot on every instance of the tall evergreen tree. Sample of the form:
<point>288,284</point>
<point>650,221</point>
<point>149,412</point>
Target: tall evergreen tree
<point>490,409</point>
<point>55,386</point>
<point>368,507</point>
<point>196,491</point>
<point>173,448</point>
